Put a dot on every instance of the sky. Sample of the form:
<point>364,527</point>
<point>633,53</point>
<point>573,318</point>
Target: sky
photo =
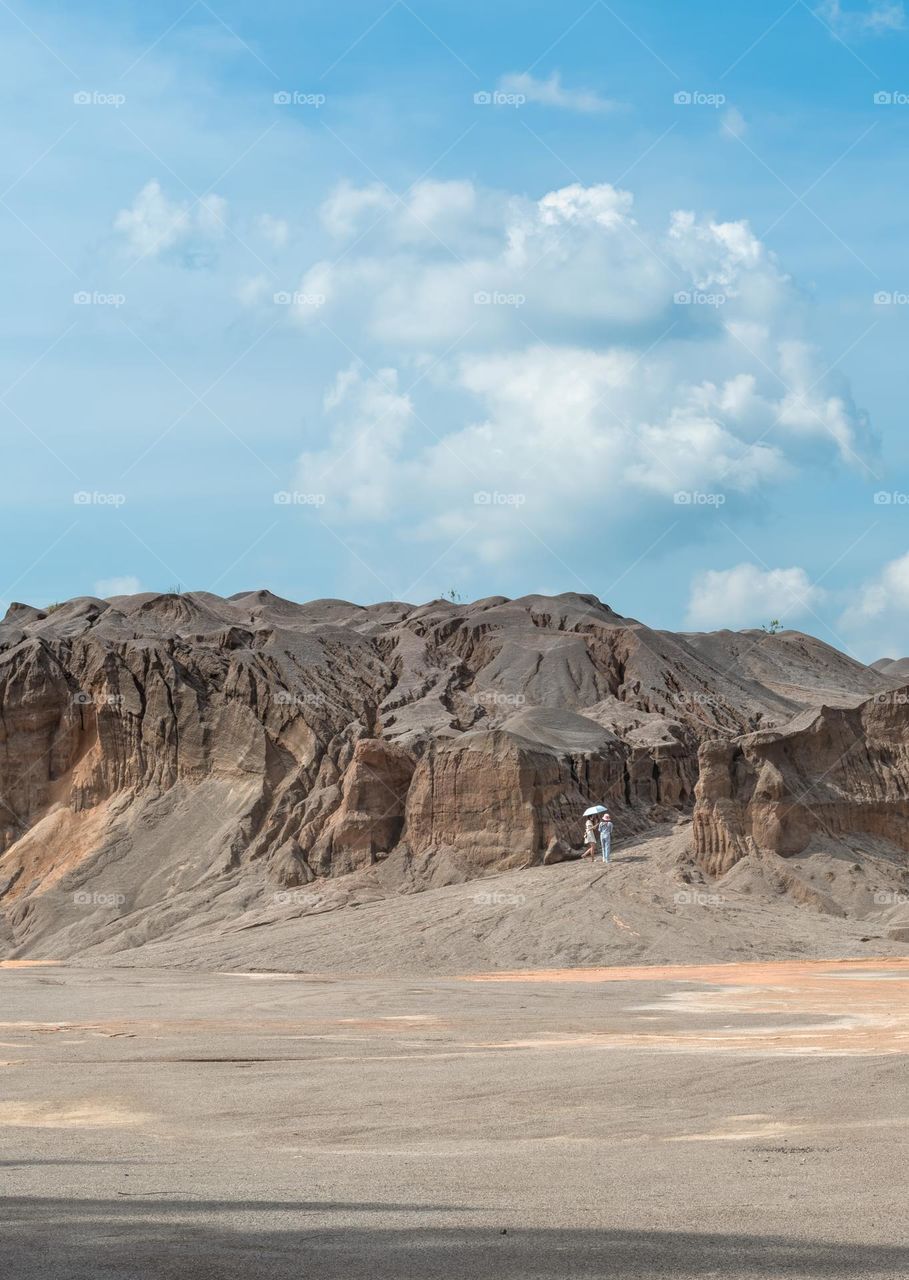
<point>382,302</point>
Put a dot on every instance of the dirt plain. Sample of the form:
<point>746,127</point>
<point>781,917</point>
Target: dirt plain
<point>744,1120</point>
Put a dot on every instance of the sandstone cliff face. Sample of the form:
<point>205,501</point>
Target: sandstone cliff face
<point>178,743</point>
<point>834,771</point>
<point>500,798</point>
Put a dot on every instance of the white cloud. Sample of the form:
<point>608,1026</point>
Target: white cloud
<point>155,224</point>
<point>255,289</point>
<point>809,408</point>
<point>344,211</point>
<point>875,620</point>
<point>886,595</point>
<point>604,205</point>
<point>125,586</point>
<point>550,421</point>
<point>211,215</point>
<point>437,208</point>
<point>552,93</point>
<point>575,258</point>
<point>369,422</point>
<point>877,615</point>
<point>748,596</point>
<point>275,230</point>
<point>555,339</point>
<point>733,124</point>
<point>719,254</point>
<point>428,211</point>
<point>874,18</point>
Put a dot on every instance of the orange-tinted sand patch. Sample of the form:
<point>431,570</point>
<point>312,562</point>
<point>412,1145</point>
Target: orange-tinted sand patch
<point>772,972</point>
<point>811,1007</point>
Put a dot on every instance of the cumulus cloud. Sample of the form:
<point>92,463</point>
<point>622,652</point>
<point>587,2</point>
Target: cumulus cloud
<point>552,93</point>
<point>875,18</point>
<point>154,224</point>
<point>748,596</point>
<point>876,616</point>
<point>603,205</point>
<point>125,586</point>
<point>343,212</point>
<point>369,421</point>
<point>525,345</point>
<point>882,601</point>
<point>428,211</point>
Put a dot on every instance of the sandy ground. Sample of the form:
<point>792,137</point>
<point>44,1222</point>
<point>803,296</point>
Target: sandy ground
<point>650,906</point>
<point>724,1121</point>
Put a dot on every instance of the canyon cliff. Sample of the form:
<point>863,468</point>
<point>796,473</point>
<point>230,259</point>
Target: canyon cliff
<point>175,745</point>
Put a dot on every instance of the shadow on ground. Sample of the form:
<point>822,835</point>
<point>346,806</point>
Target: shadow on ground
<point>214,1240</point>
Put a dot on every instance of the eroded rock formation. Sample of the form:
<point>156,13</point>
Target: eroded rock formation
<point>834,771</point>
<point>173,743</point>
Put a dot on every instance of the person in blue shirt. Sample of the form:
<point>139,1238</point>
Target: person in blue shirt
<point>604,830</point>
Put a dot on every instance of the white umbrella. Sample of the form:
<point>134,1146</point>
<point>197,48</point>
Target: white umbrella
<point>594,808</point>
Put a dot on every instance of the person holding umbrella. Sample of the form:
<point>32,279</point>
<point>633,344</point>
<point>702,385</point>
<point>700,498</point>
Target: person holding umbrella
<point>590,839</point>
<point>590,829</point>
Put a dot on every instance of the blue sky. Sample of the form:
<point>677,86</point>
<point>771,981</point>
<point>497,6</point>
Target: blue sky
<point>366,301</point>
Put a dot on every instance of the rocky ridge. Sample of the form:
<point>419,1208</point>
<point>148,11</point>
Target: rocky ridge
<point>175,745</point>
